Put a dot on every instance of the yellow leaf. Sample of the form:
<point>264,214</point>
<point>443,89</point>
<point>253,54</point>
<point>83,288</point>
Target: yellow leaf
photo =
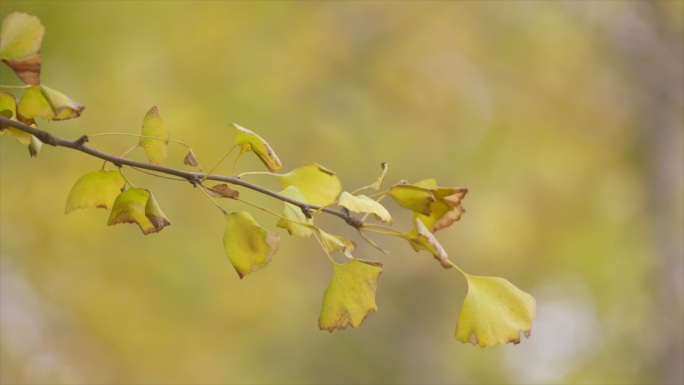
<point>20,39</point>
<point>248,246</point>
<point>332,243</point>
<point>446,209</point>
<point>319,185</point>
<point>134,206</point>
<point>494,312</point>
<point>421,238</point>
<point>96,189</point>
<point>44,102</point>
<point>414,198</point>
<point>364,204</point>
<point>62,106</point>
<point>350,297</point>
<point>294,214</point>
<point>249,141</point>
<point>155,138</point>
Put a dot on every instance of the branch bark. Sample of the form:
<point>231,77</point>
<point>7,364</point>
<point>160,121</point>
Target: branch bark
<point>194,178</point>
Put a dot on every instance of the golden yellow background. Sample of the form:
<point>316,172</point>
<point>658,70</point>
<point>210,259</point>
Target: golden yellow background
<point>564,119</point>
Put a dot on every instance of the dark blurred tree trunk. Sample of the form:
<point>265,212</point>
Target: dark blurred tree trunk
<point>655,53</point>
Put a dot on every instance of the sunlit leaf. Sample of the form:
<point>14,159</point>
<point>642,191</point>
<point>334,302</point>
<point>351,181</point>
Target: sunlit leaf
<point>96,189</point>
<point>155,137</point>
<point>248,246</point>
<point>131,206</point>
<point>414,198</point>
<point>319,185</point>
<point>364,204</point>
<point>62,106</point>
<point>494,312</point>
<point>295,215</point>
<point>350,297</point>
<point>154,213</point>
<point>421,238</point>
<point>33,104</point>
<point>20,39</point>
<point>222,191</point>
<point>249,141</point>
<point>8,105</point>
<point>332,243</point>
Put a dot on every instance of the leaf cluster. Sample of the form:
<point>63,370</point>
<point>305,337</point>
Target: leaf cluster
<point>494,310</point>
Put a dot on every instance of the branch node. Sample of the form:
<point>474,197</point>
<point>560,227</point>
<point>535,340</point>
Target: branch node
<point>353,222</point>
<point>82,140</point>
<point>307,212</point>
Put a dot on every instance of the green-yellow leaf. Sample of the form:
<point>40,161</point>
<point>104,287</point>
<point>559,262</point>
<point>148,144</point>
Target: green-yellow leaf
<point>249,141</point>
<point>415,198</point>
<point>34,146</point>
<point>294,215</point>
<point>62,106</point>
<point>20,38</point>
<point>332,243</point>
<point>8,109</point>
<point>133,206</point>
<point>421,238</point>
<point>248,246</point>
<point>33,104</point>
<point>96,189</point>
<point>494,312</point>
<point>319,185</point>
<point>155,137</point>
<point>154,213</point>
<point>350,297</point>
<point>364,204</point>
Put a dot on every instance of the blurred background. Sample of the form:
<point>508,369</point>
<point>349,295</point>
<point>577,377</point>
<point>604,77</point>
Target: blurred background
<point>564,120</point>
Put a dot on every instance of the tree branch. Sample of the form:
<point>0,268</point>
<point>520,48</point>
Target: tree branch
<point>193,177</point>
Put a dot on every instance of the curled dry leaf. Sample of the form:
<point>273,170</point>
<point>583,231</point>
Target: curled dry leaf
<point>20,39</point>
<point>222,191</point>
<point>134,206</point>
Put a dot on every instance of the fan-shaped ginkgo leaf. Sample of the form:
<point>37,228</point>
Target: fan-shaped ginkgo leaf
<point>494,312</point>
<point>294,217</point>
<point>248,246</point>
<point>319,185</point>
<point>44,102</point>
<point>96,189</point>
<point>414,198</point>
<point>62,106</point>
<point>350,297</point>
<point>8,109</point>
<point>421,238</point>
<point>249,141</point>
<point>364,204</point>
<point>446,209</point>
<point>133,206</point>
<point>155,137</point>
<point>20,39</point>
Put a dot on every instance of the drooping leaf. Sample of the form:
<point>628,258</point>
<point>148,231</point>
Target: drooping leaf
<point>131,206</point>
<point>249,141</point>
<point>155,137</point>
<point>415,198</point>
<point>364,204</point>
<point>248,246</point>
<point>222,191</point>
<point>33,104</point>
<point>446,209</point>
<point>421,238</point>
<point>295,215</point>
<point>96,189</point>
<point>154,213</point>
<point>20,38</point>
<point>62,106</point>
<point>350,297</point>
<point>332,243</point>
<point>190,159</point>
<point>494,312</point>
<point>34,146</point>
<point>8,109</point>
<point>319,185</point>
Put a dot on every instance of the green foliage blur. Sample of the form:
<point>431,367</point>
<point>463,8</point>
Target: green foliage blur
<point>564,120</point>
